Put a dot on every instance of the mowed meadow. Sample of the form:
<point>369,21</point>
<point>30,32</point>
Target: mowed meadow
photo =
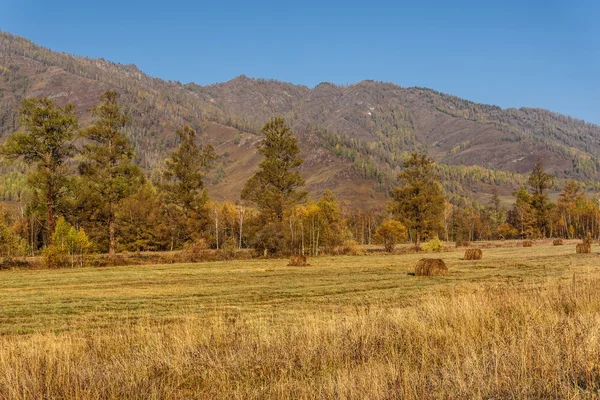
<point>520,323</point>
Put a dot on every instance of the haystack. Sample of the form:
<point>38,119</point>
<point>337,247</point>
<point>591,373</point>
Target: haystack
<point>297,260</point>
<point>584,248</point>
<point>557,242</point>
<point>430,267</point>
<point>473,254</point>
<point>462,243</point>
<point>527,243</point>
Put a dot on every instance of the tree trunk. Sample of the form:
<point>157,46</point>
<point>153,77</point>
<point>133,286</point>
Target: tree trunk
<point>50,220</point>
<point>241,225</point>
<point>417,238</point>
<point>111,238</point>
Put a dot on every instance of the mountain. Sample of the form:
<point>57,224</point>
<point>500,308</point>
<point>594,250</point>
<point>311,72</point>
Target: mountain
<point>353,137</point>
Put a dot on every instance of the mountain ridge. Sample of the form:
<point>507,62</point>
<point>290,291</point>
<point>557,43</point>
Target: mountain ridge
<point>354,137</point>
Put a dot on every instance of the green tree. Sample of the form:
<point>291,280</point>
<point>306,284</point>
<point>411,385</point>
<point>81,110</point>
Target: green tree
<point>539,182</point>
<point>142,226</point>
<point>107,164</point>
<point>418,201</point>
<point>46,145</point>
<point>274,187</point>
<point>183,182</point>
<point>66,241</point>
<point>522,215</point>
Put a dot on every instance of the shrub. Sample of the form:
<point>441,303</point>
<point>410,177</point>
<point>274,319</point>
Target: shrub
<point>349,247</point>
<point>56,256</point>
<point>389,233</point>
<point>195,251</point>
<point>435,245</point>
<point>227,252</point>
<point>269,239</point>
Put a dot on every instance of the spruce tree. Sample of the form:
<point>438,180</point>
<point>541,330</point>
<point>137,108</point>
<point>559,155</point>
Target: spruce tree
<point>107,165</point>
<point>418,201</point>
<point>45,145</point>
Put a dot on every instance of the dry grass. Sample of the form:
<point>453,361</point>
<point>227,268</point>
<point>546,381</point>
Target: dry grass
<point>473,254</point>
<point>297,260</point>
<point>583,248</point>
<point>526,324</point>
<point>431,267</point>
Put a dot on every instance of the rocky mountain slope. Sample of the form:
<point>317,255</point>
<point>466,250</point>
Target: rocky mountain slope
<point>353,137</point>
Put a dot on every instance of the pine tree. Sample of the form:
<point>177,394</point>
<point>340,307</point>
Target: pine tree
<point>46,145</point>
<point>539,182</point>
<point>183,183</point>
<point>108,166</point>
<point>275,186</point>
<point>418,201</point>
<point>522,215</point>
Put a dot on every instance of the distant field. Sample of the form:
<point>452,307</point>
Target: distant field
<point>522,322</point>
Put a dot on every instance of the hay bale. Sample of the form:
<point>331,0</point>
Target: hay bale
<point>473,254</point>
<point>584,248</point>
<point>297,260</point>
<point>527,243</point>
<point>430,267</point>
<point>557,242</point>
<point>462,243</point>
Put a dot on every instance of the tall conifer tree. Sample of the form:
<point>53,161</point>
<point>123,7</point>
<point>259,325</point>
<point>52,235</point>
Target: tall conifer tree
<point>275,186</point>
<point>418,201</point>
<point>46,145</point>
<point>183,182</point>
<point>108,164</point>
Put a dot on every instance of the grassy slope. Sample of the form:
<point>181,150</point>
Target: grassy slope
<point>523,322</point>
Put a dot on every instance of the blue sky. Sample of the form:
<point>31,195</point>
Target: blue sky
<point>510,53</point>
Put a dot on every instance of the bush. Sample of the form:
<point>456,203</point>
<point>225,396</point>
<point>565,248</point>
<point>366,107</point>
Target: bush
<point>195,251</point>
<point>435,245</point>
<point>227,252</point>
<point>56,256</point>
<point>389,233</point>
<point>269,239</point>
<point>349,247</point>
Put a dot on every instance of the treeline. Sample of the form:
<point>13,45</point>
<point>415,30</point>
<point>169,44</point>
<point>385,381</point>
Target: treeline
<point>86,194</point>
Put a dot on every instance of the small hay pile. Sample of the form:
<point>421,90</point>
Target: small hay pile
<point>584,248</point>
<point>431,267</point>
<point>557,242</point>
<point>462,243</point>
<point>473,254</point>
<point>297,260</point>
<point>527,243</point>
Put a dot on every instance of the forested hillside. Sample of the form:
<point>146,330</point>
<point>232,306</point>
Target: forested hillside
<point>353,138</point>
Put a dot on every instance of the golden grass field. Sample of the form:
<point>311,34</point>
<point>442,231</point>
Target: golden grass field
<point>521,323</point>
